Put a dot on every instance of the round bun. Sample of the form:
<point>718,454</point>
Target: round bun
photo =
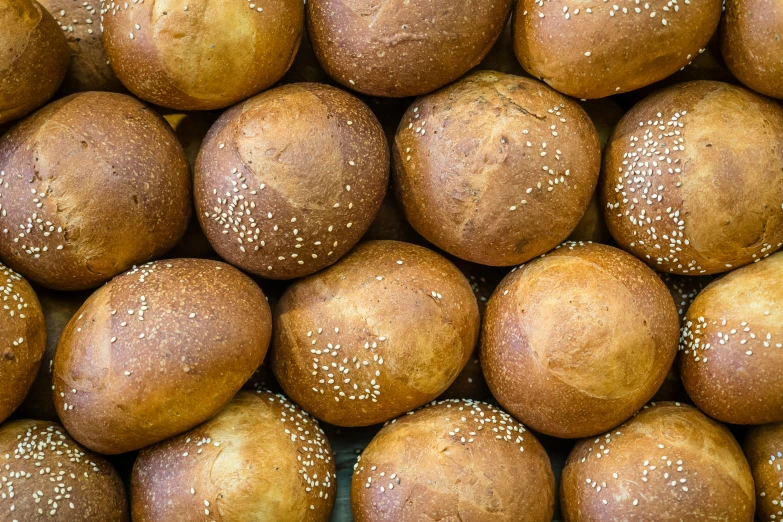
<point>201,55</point>
<point>575,342</point>
<point>453,460</point>
<point>386,329</point>
<point>394,48</point>
<point>22,340</point>
<point>495,169</point>
<point>764,450</point>
<point>92,184</point>
<point>276,453</point>
<point>692,179</point>
<point>287,182</point>
<point>34,57</point>
<point>752,44</point>
<point>157,351</point>
<point>609,48</point>
<point>731,340</point>
<point>46,475</point>
<point>669,458</point>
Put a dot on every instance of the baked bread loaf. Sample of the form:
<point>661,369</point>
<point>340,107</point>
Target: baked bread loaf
<point>453,460</point>
<point>260,458</point>
<point>386,329</point>
<point>200,55</point>
<point>91,185</point>
<point>46,475</point>
<point>288,182</point>
<point>764,450</point>
<point>398,48</point>
<point>22,340</point>
<point>608,48</point>
<point>669,462</point>
<point>157,351</point>
<point>34,57</point>
<point>731,343</point>
<point>495,169</point>
<point>575,342</point>
<point>692,179</point>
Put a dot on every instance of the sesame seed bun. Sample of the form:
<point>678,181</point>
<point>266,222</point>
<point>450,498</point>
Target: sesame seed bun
<point>453,460</point>
<point>575,342</point>
<point>764,450</point>
<point>399,48</point>
<point>157,351</point>
<point>607,48</point>
<point>46,475</point>
<point>260,458</point>
<point>691,181</point>
<point>669,462</point>
<point>386,329</point>
<point>732,345</point>
<point>34,57</point>
<point>288,182</point>
<point>495,169</point>
<point>200,55</point>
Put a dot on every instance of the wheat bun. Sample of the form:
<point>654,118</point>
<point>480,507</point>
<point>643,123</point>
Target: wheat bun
<point>732,341</point>
<point>22,339</point>
<point>752,44</point>
<point>91,185</point>
<point>46,475</point>
<point>260,458</point>
<point>157,351</point>
<point>692,179</point>
<point>764,450</point>
<point>607,48</point>
<point>495,169</point>
<point>453,460</point>
<point>398,48</point>
<point>34,58</point>
<point>575,342</point>
<point>669,462</point>
<point>386,329</point>
<point>288,182</point>
<point>200,55</point>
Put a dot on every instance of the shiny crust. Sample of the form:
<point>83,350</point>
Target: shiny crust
<point>764,449</point>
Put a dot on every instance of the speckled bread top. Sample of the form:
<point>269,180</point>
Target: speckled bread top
<point>453,460</point>
<point>684,289</point>
<point>692,179</point>
<point>764,449</point>
<point>260,458</point>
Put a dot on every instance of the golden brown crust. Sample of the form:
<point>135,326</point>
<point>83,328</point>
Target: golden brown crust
<point>260,458</point>
<point>287,182</point>
<point>34,57</point>
<point>575,342</point>
<point>453,460</point>
<point>691,181</point>
<point>495,169</point>
<point>201,54</point>
<point>401,48</point>
<point>668,463</point>
<point>386,329</point>
<point>764,450</point>
<point>596,50</point>
<point>158,350</point>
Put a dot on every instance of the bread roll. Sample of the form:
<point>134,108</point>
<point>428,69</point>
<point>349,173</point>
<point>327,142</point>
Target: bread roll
<point>34,57</point>
<point>399,48</point>
<point>453,460</point>
<point>288,182</point>
<point>386,329</point>
<point>732,343</point>
<point>495,169</point>
<point>46,475</point>
<point>669,462</point>
<point>92,184</point>
<point>260,458</point>
<point>22,340</point>
<point>578,340</point>
<point>692,179</point>
<point>764,450</point>
<point>596,50</point>
<point>157,351</point>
